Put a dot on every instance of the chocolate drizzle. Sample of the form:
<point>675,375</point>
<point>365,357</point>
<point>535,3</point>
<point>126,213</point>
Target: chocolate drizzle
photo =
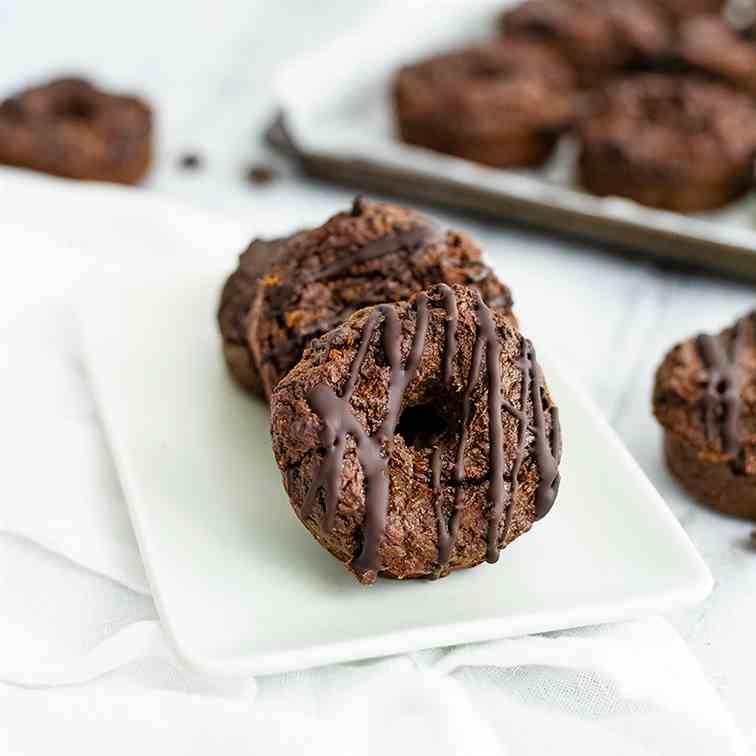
<point>339,422</point>
<point>496,489</point>
<point>410,239</point>
<point>721,399</point>
<point>374,451</point>
<point>452,317</point>
<point>547,451</point>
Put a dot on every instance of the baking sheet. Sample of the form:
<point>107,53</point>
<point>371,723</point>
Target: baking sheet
<point>336,120</point>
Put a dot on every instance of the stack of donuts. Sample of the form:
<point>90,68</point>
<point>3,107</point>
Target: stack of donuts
<point>660,94</point>
<point>411,422</point>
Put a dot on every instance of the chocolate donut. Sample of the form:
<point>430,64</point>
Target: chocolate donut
<point>236,299</point>
<point>709,45</point>
<point>69,128</point>
<point>673,142</point>
<point>705,400</point>
<point>598,37</point>
<point>501,104</point>
<point>288,291</point>
<point>419,437</point>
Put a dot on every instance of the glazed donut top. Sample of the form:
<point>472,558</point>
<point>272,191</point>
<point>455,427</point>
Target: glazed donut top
<point>479,88</point>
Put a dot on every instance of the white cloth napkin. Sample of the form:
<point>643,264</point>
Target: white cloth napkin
<point>83,660</point>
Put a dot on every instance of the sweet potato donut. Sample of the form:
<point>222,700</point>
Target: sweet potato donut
<point>288,291</point>
<point>69,128</point>
<point>709,45</point>
<point>418,438</point>
<point>705,399</point>
<point>673,142</point>
<point>598,37</point>
<point>502,104</point>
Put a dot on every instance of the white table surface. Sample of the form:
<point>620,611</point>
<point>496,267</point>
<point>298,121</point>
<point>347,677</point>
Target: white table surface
<point>207,67</point>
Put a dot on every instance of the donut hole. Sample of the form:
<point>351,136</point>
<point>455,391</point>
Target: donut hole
<point>722,386</point>
<point>421,425</point>
<point>77,108</point>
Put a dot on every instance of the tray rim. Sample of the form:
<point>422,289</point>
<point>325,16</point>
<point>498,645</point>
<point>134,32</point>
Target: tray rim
<point>614,235</point>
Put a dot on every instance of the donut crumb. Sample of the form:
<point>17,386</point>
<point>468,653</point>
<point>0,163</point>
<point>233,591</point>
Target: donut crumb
<point>260,174</point>
<point>190,161</point>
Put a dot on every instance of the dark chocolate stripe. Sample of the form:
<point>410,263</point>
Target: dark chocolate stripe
<point>450,346</point>
<point>385,245</point>
<point>374,460</point>
<point>548,449</point>
<point>447,531</point>
<point>328,405</point>
<point>495,429</point>
<point>458,472</point>
<point>721,400</point>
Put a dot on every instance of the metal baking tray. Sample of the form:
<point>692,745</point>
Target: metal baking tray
<point>335,120</point>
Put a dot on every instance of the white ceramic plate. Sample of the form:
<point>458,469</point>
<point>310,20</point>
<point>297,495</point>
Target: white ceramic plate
<point>240,585</point>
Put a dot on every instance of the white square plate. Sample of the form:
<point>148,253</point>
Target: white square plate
<point>240,585</point>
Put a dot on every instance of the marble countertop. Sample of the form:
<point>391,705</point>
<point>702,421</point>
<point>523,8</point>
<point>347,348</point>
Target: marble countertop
<point>207,68</point>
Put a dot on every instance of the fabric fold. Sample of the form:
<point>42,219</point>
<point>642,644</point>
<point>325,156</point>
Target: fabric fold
<point>86,662</point>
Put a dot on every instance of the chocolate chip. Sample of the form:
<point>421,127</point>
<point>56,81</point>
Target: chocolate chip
<point>260,174</point>
<point>358,205</point>
<point>190,161</point>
